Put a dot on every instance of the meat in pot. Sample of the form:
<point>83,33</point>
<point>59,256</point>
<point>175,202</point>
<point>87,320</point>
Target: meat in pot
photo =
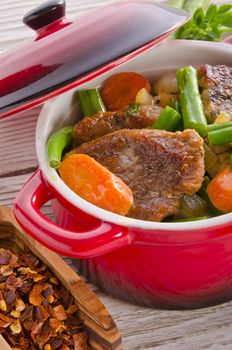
<point>104,123</point>
<point>216,82</point>
<point>158,166</point>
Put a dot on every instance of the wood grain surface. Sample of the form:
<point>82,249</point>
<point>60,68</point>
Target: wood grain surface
<point>141,328</point>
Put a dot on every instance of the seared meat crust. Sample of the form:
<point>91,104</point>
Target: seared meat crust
<point>216,82</point>
<point>104,123</point>
<point>159,167</point>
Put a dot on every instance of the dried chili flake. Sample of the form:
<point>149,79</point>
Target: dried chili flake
<point>55,343</point>
<point>53,280</point>
<point>64,347</point>
<point>5,257</point>
<point>41,313</point>
<point>15,327</point>
<point>20,305</point>
<point>44,334</point>
<point>27,314</point>
<point>28,260</point>
<point>57,326</point>
<point>26,286</point>
<point>35,297</point>
<point>73,322</point>
<point>3,306</point>
<point>15,314</point>
<point>6,270</point>
<point>26,270</point>
<point>10,295</point>
<point>5,320</point>
<point>36,311</point>
<point>14,281</point>
<point>36,327</point>
<point>60,313</point>
<point>72,309</point>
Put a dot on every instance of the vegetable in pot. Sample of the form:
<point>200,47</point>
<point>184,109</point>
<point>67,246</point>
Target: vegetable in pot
<point>218,126</point>
<point>167,83</point>
<point>133,109</point>
<point>220,134</point>
<point>143,97</point>
<point>94,183</point>
<point>57,143</point>
<point>220,190</point>
<point>168,120</point>
<point>190,100</point>
<point>91,102</point>
<point>120,90</point>
<point>176,105</point>
<point>214,162</point>
<point>193,206</point>
<point>204,195</point>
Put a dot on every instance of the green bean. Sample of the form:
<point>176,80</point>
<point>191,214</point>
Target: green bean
<point>56,144</point>
<point>213,127</point>
<point>96,100</point>
<point>221,136</point>
<point>168,120</point>
<point>86,105</point>
<point>190,100</point>
<point>176,105</point>
<point>91,102</point>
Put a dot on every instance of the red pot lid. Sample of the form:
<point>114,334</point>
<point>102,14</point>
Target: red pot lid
<point>66,54</point>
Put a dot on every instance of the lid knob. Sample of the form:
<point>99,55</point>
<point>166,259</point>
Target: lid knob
<point>44,14</point>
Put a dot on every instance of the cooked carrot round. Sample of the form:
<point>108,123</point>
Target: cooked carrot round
<point>96,184</point>
<point>120,90</point>
<point>220,190</point>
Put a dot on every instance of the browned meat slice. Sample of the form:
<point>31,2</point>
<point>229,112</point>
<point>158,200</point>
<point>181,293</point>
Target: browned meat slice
<point>101,124</point>
<point>216,82</point>
<point>158,166</point>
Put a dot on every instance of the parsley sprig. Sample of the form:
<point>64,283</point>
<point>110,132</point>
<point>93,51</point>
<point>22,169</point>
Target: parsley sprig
<point>207,25</point>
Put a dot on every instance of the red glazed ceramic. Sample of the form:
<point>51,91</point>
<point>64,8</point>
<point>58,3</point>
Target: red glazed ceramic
<point>170,265</point>
<point>65,54</point>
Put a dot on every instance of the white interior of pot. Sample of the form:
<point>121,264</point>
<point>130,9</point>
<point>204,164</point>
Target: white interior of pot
<point>64,111</point>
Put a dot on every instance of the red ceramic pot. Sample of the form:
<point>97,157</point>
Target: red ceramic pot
<point>170,265</point>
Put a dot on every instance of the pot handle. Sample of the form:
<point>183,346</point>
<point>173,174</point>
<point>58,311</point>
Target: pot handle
<point>102,239</point>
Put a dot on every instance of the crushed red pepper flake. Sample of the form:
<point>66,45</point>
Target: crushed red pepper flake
<point>60,313</point>
<point>36,311</point>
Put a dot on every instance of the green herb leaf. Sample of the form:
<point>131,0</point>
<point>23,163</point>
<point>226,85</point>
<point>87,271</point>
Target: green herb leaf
<point>211,13</point>
<point>224,8</point>
<point>133,109</point>
<point>207,25</point>
<point>198,17</point>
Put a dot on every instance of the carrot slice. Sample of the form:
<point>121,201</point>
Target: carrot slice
<point>96,184</point>
<point>120,90</point>
<point>220,190</point>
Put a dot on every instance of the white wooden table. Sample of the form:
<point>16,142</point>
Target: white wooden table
<point>141,328</point>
